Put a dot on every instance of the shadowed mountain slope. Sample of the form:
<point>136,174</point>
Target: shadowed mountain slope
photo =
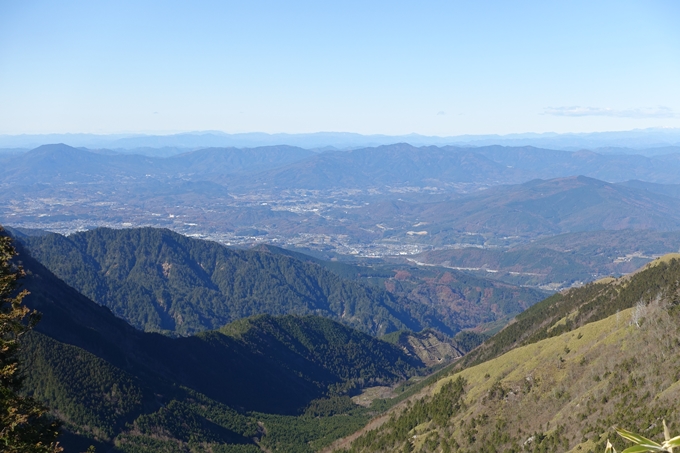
<point>113,384</point>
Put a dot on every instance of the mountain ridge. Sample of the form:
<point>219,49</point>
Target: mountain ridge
<point>290,167</point>
<point>558,379</point>
<point>634,138</point>
<point>126,268</point>
<point>161,281</point>
<point>116,387</point>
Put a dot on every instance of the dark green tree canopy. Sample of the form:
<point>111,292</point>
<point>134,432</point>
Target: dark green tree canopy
<point>25,426</point>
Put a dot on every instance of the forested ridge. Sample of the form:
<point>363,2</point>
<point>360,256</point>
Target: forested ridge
<point>263,380</point>
<point>459,300</point>
<point>191,405</point>
<point>284,383</point>
<point>161,281</point>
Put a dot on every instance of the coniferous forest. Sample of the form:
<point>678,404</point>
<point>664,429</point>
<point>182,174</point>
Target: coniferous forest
<point>302,382</point>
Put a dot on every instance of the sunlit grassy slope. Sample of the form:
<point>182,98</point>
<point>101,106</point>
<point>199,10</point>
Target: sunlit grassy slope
<point>564,393</point>
<point>663,259</point>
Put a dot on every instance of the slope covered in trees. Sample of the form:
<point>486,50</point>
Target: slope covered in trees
<point>434,348</point>
<point>460,300</point>
<point>25,426</point>
<point>165,282</point>
<point>559,379</point>
<point>252,381</point>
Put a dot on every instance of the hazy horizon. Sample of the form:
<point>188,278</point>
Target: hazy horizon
<point>631,140</point>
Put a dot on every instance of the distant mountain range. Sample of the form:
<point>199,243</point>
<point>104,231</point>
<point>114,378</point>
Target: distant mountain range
<point>153,340</point>
<point>404,165</point>
<point>535,208</point>
<point>285,167</point>
<point>52,164</point>
<point>561,261</point>
<point>383,201</point>
<point>623,141</point>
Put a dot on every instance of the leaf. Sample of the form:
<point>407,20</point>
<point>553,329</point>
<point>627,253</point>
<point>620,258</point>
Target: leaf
<point>641,449</point>
<point>610,448</point>
<point>641,441</point>
<point>674,442</point>
<point>667,436</point>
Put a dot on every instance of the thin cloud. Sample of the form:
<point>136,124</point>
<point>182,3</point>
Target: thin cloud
<point>441,113</point>
<point>659,112</point>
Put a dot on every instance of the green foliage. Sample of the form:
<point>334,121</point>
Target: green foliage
<point>336,405</point>
<point>567,392</point>
<point>457,299</point>
<point>147,392</point>
<point>183,422</point>
<point>86,390</point>
<point>141,392</point>
<point>342,358</point>
<point>165,282</point>
<point>133,443</point>
<point>194,394</point>
<point>279,363</point>
<point>186,421</point>
<point>25,426</point>
<point>468,340</point>
<point>306,434</point>
<point>548,442</point>
<point>642,444</point>
<point>430,412</point>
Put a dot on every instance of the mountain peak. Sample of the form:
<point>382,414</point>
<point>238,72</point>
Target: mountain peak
<point>56,148</point>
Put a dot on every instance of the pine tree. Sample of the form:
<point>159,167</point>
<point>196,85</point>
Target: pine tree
<point>25,426</point>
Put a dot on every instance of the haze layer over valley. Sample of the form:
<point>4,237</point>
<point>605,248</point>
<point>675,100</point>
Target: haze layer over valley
<point>487,210</point>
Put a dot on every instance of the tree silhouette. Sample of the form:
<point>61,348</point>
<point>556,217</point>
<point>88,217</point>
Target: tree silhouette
<point>25,426</point>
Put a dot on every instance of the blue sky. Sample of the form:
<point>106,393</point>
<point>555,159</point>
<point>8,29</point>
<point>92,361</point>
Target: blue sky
<point>434,68</point>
